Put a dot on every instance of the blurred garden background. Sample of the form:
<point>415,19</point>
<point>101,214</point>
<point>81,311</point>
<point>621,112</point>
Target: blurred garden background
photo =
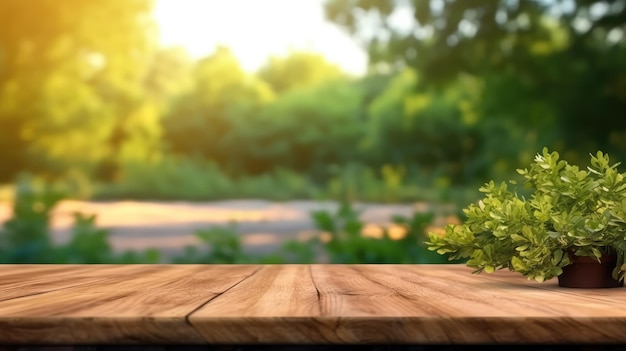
<point>338,131</point>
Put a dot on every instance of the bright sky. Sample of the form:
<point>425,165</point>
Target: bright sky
<point>256,29</point>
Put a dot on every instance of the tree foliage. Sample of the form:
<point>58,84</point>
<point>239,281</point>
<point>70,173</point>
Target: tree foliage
<point>200,121</point>
<point>299,69</point>
<point>445,37</point>
<point>405,123</point>
<point>308,130</point>
<point>457,91</point>
<point>553,72</point>
<point>68,80</point>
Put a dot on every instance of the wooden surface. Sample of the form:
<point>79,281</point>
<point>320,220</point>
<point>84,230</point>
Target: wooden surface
<point>286,304</point>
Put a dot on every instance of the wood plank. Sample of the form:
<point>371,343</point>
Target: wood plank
<point>336,295</point>
<point>290,304</point>
<point>8,270</point>
<point>262,308</point>
<point>408,304</point>
<point>547,298</point>
<point>35,280</point>
<point>502,307</point>
<point>140,304</point>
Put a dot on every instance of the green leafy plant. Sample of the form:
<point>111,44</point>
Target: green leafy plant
<point>223,246</point>
<point>569,211</point>
<point>25,237</point>
<point>90,244</point>
<point>346,243</point>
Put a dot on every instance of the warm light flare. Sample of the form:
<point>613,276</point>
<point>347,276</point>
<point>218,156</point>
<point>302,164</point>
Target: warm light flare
<point>256,29</point>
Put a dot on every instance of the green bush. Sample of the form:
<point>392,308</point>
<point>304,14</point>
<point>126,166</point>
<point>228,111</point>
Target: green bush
<point>348,245</point>
<point>168,179</point>
<point>26,237</point>
<point>178,178</point>
<point>224,246</point>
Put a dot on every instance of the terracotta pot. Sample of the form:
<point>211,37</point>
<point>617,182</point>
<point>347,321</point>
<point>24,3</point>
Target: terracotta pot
<point>587,272</point>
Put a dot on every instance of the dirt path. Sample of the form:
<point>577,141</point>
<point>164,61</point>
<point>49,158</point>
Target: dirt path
<point>170,226</point>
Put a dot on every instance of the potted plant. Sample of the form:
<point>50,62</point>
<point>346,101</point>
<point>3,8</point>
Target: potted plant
<point>571,224</point>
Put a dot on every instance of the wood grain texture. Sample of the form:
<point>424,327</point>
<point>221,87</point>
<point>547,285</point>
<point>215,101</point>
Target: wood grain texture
<point>123,305</point>
<point>43,278</point>
<point>290,304</point>
<point>276,305</point>
<point>411,304</point>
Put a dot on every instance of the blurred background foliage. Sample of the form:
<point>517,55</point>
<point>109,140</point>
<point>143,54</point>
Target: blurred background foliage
<point>462,92</point>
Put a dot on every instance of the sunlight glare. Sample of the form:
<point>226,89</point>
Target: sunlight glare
<point>256,29</point>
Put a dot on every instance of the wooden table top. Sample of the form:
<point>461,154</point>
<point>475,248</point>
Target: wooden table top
<point>306,304</point>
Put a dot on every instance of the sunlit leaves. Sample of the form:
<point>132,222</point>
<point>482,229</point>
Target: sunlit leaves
<point>237,120</point>
<point>221,94</point>
<point>70,75</point>
<point>297,70</point>
<point>546,81</point>
<point>570,212</point>
<point>405,122</point>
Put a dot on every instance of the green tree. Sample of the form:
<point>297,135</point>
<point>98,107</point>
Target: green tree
<point>445,37</point>
<point>66,78</point>
<point>552,72</point>
<point>433,130</point>
<point>201,120</point>
<point>308,130</point>
<point>168,76</point>
<point>299,69</point>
